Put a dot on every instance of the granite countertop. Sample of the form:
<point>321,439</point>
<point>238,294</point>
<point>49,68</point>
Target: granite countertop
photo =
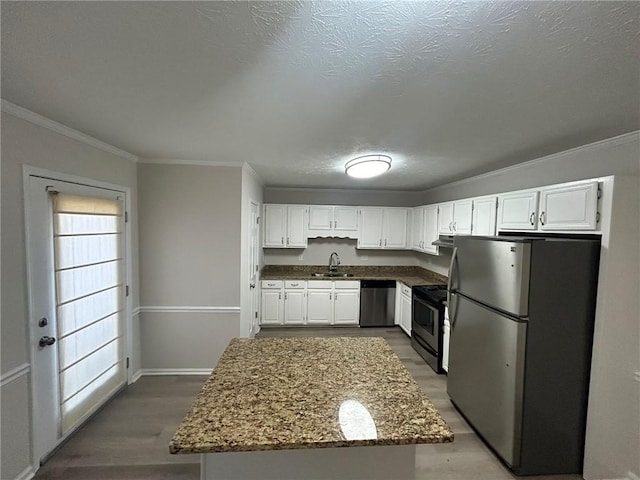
<point>308,392</point>
<point>410,276</point>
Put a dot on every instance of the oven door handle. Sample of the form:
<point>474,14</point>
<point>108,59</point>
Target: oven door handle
<point>425,345</point>
<point>452,266</point>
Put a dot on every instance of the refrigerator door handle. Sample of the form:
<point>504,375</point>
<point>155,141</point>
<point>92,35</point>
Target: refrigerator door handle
<point>452,314</point>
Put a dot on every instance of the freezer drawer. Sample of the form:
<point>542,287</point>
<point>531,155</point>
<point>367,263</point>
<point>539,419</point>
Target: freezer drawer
<point>486,371</point>
<point>494,271</point>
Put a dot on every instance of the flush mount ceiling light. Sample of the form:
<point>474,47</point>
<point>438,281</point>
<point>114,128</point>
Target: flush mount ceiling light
<point>368,166</point>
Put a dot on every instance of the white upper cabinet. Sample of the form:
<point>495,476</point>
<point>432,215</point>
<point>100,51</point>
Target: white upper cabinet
<point>394,228</point>
<point>518,211</point>
<point>455,217</point>
<point>370,227</point>
<point>572,207</point>
<point>285,226</point>
<point>417,228</point>
<point>333,221</point>
<point>424,228</point>
<point>484,215</point>
<point>557,208</point>
<point>380,227</point>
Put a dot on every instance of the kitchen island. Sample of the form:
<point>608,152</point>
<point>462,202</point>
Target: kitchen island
<point>287,408</point>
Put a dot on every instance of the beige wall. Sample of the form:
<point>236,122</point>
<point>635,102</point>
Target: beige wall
<point>190,244</point>
<point>24,143</point>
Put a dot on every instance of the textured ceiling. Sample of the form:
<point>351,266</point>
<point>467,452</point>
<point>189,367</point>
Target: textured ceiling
<point>449,88</point>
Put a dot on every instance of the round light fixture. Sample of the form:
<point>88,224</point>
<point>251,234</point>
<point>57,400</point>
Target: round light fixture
<point>368,166</point>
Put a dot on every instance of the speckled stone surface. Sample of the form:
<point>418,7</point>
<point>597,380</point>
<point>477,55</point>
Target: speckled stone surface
<point>410,276</point>
<point>287,393</point>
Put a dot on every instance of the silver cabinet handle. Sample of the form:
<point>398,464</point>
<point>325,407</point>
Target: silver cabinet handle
<point>335,224</point>
<point>380,243</point>
<point>385,242</point>
<point>282,241</point>
<point>450,229</point>
<point>288,242</point>
<point>285,295</point>
<point>295,284</point>
<point>532,218</point>
<point>454,226</point>
<point>279,296</point>
<point>331,296</point>
<point>542,220</point>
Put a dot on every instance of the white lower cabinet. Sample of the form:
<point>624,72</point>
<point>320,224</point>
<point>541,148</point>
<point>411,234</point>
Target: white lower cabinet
<point>313,302</point>
<point>403,307</point>
<point>295,302</point>
<point>272,302</point>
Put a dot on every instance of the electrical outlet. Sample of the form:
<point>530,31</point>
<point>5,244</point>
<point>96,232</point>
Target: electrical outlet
<point>365,257</point>
<point>301,256</point>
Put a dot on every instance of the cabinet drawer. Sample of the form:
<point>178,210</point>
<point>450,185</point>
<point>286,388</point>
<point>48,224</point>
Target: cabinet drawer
<point>295,284</point>
<point>346,284</point>
<point>271,284</point>
<point>320,284</point>
<point>405,290</point>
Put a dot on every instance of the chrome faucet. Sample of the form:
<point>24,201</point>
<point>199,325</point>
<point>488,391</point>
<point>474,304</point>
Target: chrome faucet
<point>334,261</point>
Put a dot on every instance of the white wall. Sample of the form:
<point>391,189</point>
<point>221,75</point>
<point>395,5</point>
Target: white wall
<point>24,143</point>
<point>189,263</point>
<point>319,196</point>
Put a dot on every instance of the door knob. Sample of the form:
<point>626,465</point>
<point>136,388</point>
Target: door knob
<point>47,341</point>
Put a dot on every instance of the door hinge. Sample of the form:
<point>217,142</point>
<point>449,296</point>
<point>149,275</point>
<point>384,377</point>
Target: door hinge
<point>126,217</point>
<point>597,217</point>
<point>127,362</point>
<point>599,192</point>
<point>126,290</point>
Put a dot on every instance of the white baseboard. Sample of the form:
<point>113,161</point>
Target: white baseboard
<point>175,371</point>
<point>136,376</point>
<point>27,474</point>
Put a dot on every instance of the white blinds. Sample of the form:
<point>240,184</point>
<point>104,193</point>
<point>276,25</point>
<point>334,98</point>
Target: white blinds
<point>89,292</point>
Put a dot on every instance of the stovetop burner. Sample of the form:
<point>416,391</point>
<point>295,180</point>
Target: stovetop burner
<point>435,293</point>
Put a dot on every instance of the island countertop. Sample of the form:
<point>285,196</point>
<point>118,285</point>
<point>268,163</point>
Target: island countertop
<point>300,393</point>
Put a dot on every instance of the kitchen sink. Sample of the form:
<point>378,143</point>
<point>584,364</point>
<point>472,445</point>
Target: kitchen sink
<point>332,274</point>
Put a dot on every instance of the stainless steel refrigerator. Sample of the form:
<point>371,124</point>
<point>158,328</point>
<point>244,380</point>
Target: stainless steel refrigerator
<point>522,317</point>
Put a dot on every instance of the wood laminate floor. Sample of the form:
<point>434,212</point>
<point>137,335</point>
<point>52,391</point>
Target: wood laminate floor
<point>129,438</point>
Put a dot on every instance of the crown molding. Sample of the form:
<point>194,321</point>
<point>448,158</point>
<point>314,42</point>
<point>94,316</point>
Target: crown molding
<point>176,161</point>
<point>249,169</point>
<point>41,121</point>
<point>607,142</point>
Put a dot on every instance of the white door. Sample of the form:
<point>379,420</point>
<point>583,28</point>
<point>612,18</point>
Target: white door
<point>274,225</point>
<point>295,307</point>
<point>518,211</point>
<point>395,228</point>
<point>484,216</point>
<point>430,228</point>
<point>319,303</point>
<point>77,262</point>
<point>345,222</point>
<point>445,218</point>
<point>346,307</point>
<point>370,227</point>
<point>462,216</point>
<point>297,226</point>
<point>569,208</point>
<point>271,308</point>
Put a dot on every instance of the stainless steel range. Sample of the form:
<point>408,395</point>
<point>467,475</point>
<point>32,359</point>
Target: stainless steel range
<point>427,323</point>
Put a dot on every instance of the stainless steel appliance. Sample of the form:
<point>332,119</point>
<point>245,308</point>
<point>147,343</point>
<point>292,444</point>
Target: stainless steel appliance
<point>522,317</point>
<point>377,303</point>
<point>427,323</point>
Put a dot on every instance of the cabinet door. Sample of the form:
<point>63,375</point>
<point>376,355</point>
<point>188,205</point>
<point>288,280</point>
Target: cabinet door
<point>297,226</point>
<point>484,216</point>
<point>405,314</point>
<point>295,307</point>
<point>345,222</point>
<point>346,307</point>
<point>370,227</point>
<point>271,307</point>
<point>445,218</point>
<point>417,229</point>
<point>462,217</point>
<point>320,221</point>
<point>274,225</point>
<point>573,207</point>
<point>394,225</point>
<point>518,211</point>
<point>430,228</point>
<point>319,303</point>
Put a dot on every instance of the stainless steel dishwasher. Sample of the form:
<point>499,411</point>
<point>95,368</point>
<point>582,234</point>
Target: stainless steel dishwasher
<point>377,303</point>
